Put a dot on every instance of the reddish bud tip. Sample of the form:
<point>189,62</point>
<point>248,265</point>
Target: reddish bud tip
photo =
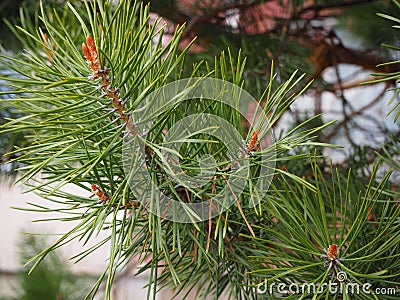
<point>86,52</point>
<point>253,141</point>
<point>332,252</point>
<point>90,44</point>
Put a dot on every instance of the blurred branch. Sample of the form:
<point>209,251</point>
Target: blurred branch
<point>203,18</point>
<point>318,7</point>
<point>328,46</point>
<point>348,117</point>
<point>349,85</point>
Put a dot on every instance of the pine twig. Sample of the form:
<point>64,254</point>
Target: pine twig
<point>92,58</point>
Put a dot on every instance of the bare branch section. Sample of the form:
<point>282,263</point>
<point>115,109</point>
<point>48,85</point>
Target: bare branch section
<point>92,58</point>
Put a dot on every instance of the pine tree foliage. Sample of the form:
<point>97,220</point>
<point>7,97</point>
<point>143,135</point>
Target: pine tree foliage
<point>77,102</point>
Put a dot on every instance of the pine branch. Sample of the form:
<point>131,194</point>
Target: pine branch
<point>278,233</point>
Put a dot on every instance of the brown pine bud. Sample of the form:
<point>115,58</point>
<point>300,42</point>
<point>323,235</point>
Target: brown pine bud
<point>332,252</point>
